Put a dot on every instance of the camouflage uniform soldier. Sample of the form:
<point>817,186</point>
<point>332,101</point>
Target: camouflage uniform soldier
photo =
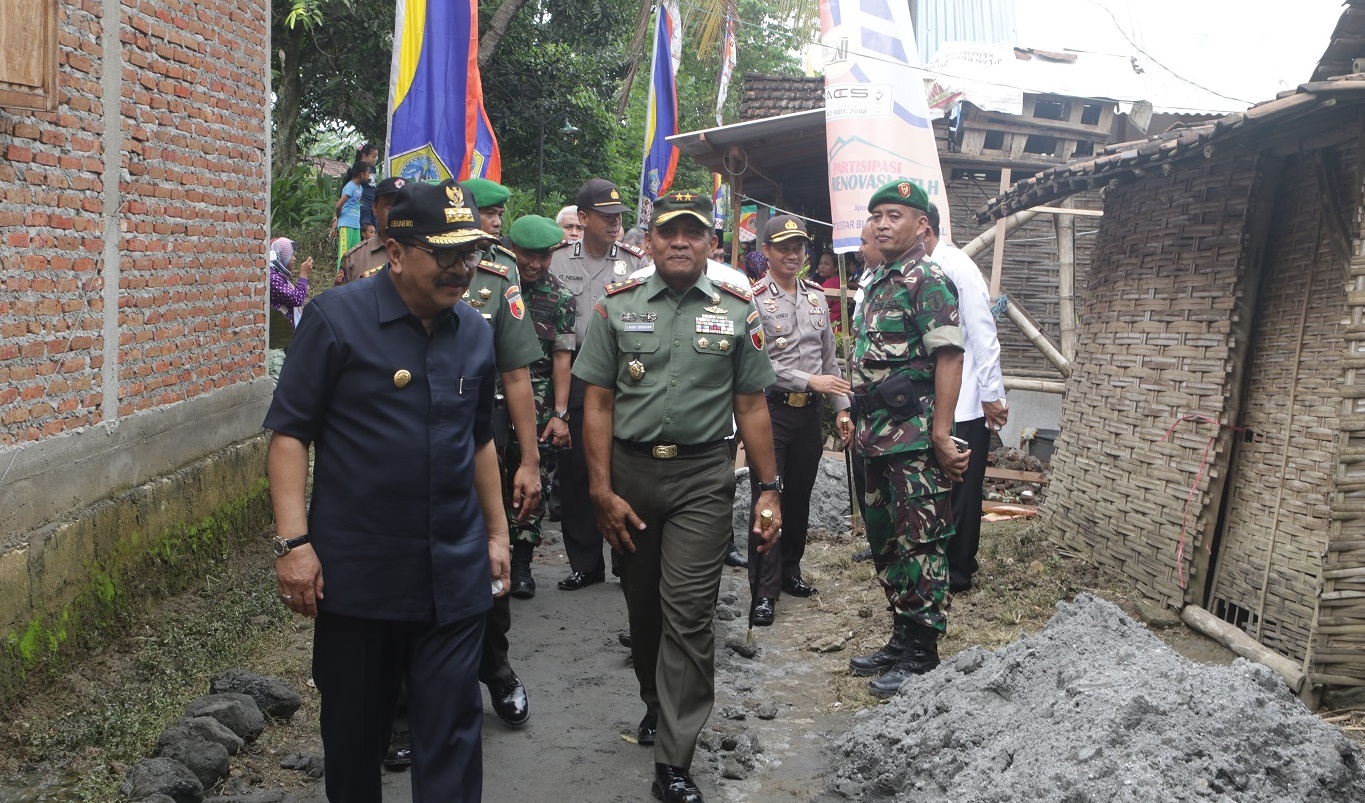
<point>552,311</point>
<point>907,370</point>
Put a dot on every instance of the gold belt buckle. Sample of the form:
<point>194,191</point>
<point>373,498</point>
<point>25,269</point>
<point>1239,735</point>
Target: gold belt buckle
<point>797,399</point>
<point>665,451</point>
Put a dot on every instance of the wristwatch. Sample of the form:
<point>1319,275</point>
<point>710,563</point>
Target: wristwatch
<point>562,415</point>
<point>775,485</point>
<point>281,546</point>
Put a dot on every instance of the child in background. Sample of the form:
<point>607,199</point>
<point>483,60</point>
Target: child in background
<point>346,221</point>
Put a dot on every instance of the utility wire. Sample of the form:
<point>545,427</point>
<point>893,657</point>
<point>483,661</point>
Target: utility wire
<point>772,31</point>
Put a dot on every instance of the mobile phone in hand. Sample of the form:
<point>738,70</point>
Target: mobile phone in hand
<point>959,443</point>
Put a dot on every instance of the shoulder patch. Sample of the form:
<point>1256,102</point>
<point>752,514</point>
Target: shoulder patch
<point>504,250</point>
<point>372,271</point>
<point>630,249</point>
<point>760,288</point>
<point>735,290</point>
<point>814,285</point>
<point>493,267</point>
<point>618,287</point>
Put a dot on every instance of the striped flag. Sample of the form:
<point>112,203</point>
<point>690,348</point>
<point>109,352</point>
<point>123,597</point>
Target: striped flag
<point>438,127</point>
<point>877,125</point>
<point>661,119</point>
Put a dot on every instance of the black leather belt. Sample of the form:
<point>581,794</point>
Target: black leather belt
<point>900,394</point>
<point>668,451</point>
<point>794,399</point>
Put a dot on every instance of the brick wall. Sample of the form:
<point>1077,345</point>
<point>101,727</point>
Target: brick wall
<point>184,212</point>
<point>1157,341</point>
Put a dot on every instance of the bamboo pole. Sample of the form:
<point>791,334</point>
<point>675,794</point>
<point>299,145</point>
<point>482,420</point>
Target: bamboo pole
<point>998,257</point>
<point>1065,226</point>
<point>1039,340</point>
<point>1242,644</point>
<point>987,237</point>
<point>841,342</point>
<point>1039,385</point>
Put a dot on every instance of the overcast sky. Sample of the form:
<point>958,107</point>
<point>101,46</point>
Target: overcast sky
<point>1246,49</point>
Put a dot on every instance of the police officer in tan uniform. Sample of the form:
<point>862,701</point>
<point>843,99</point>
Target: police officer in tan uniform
<point>585,268</point>
<point>801,346</point>
<point>667,361</point>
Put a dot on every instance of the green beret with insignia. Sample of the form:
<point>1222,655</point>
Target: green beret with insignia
<point>535,233</point>
<point>901,191</point>
<point>487,193</point>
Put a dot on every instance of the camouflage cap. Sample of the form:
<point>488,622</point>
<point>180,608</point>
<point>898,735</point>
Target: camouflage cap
<point>440,215</point>
<point>535,233</point>
<point>901,191</point>
<point>693,204</point>
<point>487,193</point>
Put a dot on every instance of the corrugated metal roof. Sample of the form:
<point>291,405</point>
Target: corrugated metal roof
<point>939,21</point>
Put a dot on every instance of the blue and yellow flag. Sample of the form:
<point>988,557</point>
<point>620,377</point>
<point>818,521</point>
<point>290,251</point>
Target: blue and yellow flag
<point>661,120</point>
<point>438,128</point>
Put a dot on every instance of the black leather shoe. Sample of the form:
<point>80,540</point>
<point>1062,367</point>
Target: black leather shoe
<point>958,583</point>
<point>623,636</point>
<point>644,733</point>
<point>797,587</point>
<point>674,785</point>
<point>864,555</point>
<point>735,558</point>
<point>579,580</point>
<point>400,752</point>
<point>509,701</point>
<point>764,611</point>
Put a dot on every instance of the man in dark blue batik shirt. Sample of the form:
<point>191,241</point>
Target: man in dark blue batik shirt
<point>391,381</point>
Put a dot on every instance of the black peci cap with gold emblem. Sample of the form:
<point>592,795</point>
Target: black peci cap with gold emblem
<point>440,215</point>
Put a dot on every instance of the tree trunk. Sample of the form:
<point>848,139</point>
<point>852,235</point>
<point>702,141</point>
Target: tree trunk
<point>497,27</point>
<point>288,95</point>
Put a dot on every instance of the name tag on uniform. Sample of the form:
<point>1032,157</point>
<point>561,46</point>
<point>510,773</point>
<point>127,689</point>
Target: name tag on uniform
<point>715,325</point>
<point>643,326</point>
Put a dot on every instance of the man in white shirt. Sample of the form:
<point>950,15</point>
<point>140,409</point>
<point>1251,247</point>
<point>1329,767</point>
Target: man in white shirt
<point>980,402</point>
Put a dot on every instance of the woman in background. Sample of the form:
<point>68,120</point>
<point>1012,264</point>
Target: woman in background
<point>287,297</point>
<point>346,221</point>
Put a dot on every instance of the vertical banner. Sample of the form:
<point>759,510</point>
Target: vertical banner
<point>661,119</point>
<point>438,127</point>
<point>728,59</point>
<point>720,198</point>
<point>877,125</point>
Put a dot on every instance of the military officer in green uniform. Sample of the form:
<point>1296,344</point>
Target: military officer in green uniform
<point>907,368</point>
<point>533,239</point>
<point>667,360</point>
<point>495,292</point>
<point>585,268</point>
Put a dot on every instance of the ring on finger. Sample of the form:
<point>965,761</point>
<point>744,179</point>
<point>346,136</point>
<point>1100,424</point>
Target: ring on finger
<point>286,597</point>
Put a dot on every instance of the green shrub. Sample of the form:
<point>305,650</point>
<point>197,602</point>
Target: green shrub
<point>302,198</point>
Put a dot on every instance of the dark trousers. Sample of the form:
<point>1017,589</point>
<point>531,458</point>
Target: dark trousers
<point>966,496</point>
<point>358,665</point>
<point>578,520</point>
<point>671,581</point>
<point>495,666</point>
<point>797,447</point>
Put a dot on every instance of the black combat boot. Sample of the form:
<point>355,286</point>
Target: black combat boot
<point>523,584</point>
<point>921,656</point>
<point>878,662</point>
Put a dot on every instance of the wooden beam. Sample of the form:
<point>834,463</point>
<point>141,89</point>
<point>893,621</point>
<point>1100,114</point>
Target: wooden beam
<point>998,257</point>
<point>1021,319</point>
<point>1015,476</point>
<point>1065,227</point>
<point>1063,210</point>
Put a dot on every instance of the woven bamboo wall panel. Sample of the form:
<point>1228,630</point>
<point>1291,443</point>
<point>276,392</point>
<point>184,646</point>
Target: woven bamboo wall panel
<point>1339,638</point>
<point>1029,274</point>
<point>1155,342</point>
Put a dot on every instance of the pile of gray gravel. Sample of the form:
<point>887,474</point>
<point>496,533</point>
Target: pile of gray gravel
<point>1095,708</point>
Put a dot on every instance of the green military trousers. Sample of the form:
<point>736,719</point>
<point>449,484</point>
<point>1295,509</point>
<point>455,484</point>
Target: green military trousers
<point>671,581</point>
<point>909,522</point>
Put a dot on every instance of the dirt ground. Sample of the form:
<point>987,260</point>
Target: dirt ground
<point>75,735</point>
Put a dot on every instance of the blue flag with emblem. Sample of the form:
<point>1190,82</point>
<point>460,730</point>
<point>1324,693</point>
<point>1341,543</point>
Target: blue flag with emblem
<point>438,127</point>
<point>661,117</point>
